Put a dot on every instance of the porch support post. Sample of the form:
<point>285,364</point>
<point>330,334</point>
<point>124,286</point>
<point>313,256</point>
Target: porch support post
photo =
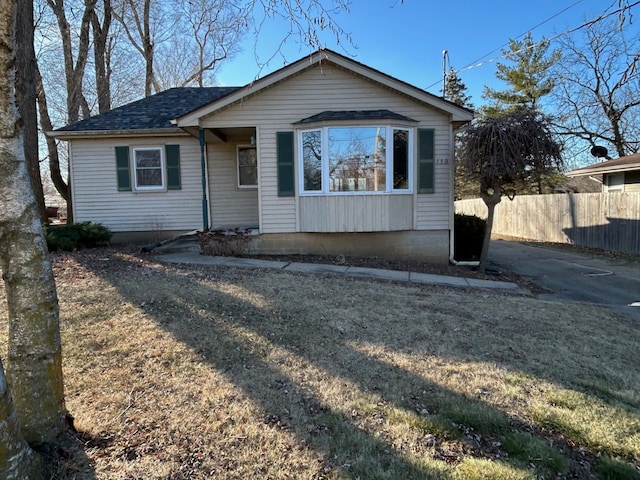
<point>203,167</point>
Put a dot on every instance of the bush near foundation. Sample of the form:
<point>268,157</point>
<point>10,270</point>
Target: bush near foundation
<point>469,234</point>
<point>76,236</point>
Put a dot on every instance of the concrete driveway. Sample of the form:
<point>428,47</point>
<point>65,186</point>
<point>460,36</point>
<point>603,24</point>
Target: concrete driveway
<point>574,277</point>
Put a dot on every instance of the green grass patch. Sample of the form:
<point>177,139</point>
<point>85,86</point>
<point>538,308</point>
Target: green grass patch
<point>480,469</point>
<point>608,468</point>
<point>534,451</point>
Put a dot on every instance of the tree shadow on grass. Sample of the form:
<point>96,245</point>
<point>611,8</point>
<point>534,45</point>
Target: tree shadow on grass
<point>236,334</point>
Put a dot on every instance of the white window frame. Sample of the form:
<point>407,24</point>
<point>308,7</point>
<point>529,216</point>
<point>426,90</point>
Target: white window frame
<point>163,170</point>
<point>324,133</point>
<point>247,146</point>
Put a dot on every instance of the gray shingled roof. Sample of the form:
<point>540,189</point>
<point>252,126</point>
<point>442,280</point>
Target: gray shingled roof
<point>355,115</point>
<point>154,112</point>
<point>628,163</point>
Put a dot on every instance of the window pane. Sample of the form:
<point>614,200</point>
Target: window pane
<point>149,177</point>
<point>148,158</point>
<point>400,159</point>
<point>357,159</point>
<point>312,160</point>
<point>247,157</point>
<point>148,163</point>
<point>247,166</point>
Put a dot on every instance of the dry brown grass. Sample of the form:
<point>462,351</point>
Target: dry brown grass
<point>176,372</point>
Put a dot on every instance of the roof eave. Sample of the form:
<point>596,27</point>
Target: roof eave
<point>582,172</point>
<point>155,132</point>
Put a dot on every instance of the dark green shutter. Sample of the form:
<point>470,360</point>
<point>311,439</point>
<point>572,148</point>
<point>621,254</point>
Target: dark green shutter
<point>172,155</point>
<point>426,161</point>
<point>286,175</point>
<point>123,169</point>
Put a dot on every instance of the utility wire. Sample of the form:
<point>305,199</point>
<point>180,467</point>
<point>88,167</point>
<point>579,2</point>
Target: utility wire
<point>479,63</point>
<point>521,35</point>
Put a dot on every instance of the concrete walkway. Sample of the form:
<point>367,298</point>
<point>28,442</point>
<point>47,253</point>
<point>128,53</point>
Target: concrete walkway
<point>196,258</point>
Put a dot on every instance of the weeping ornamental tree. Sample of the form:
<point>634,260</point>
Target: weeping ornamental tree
<point>502,151</point>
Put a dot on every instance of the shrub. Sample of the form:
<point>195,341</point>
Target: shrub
<point>469,234</point>
<point>76,236</point>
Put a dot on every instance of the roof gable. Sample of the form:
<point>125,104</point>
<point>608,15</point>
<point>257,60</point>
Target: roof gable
<point>458,114</point>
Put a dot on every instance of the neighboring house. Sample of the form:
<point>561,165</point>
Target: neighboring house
<point>324,156</point>
<point>617,175</point>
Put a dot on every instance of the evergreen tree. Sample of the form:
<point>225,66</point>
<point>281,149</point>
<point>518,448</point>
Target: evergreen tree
<point>455,90</point>
<point>527,75</point>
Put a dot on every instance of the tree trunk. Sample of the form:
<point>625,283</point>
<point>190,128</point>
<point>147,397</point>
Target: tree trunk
<point>101,53</point>
<point>18,220</point>
<point>26,99</point>
<point>17,460</point>
<point>147,45</point>
<point>490,200</point>
<point>34,367</point>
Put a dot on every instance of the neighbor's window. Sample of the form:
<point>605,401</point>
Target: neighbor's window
<point>149,172</point>
<point>355,159</point>
<point>247,167</point>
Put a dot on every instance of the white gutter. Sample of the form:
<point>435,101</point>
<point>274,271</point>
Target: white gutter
<point>64,135</point>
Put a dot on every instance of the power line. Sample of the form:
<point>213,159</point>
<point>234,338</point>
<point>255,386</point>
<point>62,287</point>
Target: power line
<point>479,63</point>
<point>521,35</point>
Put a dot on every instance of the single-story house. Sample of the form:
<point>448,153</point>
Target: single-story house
<point>617,175</point>
<point>324,156</point>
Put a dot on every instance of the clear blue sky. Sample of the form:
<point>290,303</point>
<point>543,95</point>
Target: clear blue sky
<point>406,40</point>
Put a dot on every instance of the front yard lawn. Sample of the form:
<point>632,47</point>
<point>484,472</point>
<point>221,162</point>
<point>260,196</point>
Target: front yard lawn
<point>185,372</point>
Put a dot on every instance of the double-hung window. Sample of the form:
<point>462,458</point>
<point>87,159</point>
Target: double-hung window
<point>360,159</point>
<point>148,167</point>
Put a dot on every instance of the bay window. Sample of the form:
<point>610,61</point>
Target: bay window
<point>363,159</point>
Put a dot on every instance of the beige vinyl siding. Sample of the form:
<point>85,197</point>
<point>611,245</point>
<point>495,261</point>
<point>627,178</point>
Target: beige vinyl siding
<point>433,211</point>
<point>96,197</point>
<point>356,213</point>
<point>230,206</point>
<point>320,88</point>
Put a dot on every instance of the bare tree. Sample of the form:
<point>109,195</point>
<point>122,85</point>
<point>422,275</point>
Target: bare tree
<point>597,87</point>
<point>146,26</point>
<point>74,66</point>
<point>75,56</point>
<point>214,29</point>
<point>305,20</point>
<point>34,368</point>
<point>26,98</point>
<point>501,151</point>
<point>204,33</point>
<point>103,45</point>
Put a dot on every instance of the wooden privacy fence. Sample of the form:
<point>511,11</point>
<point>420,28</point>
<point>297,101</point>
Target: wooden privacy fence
<point>609,221</point>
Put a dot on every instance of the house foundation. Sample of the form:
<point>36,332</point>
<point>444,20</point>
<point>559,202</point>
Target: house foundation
<point>423,245</point>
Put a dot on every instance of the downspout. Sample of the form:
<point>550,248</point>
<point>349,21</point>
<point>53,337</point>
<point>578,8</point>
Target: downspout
<point>203,167</point>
